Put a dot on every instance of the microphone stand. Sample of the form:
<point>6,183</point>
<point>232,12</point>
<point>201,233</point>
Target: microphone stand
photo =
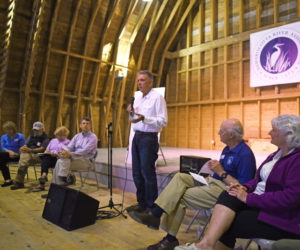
<point>111,205</point>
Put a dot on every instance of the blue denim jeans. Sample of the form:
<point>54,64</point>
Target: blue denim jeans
<point>144,155</point>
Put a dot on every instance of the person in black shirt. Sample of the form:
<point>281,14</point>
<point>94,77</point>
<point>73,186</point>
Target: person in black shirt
<point>37,142</point>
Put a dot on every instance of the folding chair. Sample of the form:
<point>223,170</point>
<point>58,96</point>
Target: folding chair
<point>92,169</point>
<point>200,231</point>
<point>9,164</point>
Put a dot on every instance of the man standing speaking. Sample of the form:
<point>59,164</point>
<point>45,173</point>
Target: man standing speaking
<point>148,114</point>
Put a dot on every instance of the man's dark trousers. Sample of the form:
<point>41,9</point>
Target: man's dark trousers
<point>144,155</point>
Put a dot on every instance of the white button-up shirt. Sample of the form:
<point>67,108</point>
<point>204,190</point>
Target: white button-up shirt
<point>153,107</point>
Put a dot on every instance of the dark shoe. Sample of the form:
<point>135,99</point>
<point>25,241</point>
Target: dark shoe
<point>71,179</point>
<point>136,208</point>
<point>5,184</point>
<point>43,180</point>
<point>164,244</point>
<point>146,218</point>
<point>17,185</point>
<point>44,196</point>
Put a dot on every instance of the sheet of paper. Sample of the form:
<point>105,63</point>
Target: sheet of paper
<point>199,178</point>
<point>205,169</point>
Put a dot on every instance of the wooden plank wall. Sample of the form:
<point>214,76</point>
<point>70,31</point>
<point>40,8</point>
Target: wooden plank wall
<point>208,80</point>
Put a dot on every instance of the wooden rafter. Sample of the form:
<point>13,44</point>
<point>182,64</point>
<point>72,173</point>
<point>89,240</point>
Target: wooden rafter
<point>181,22</point>
<point>32,47</point>
<point>139,22</point>
<point>105,107</point>
<point>163,31</point>
<point>79,82</point>
<point>63,76</point>
<point>46,65</point>
<point>213,18</point>
<point>6,46</point>
<point>96,75</point>
<point>119,109</point>
<point>153,22</point>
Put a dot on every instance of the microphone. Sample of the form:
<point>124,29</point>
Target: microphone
<point>132,102</point>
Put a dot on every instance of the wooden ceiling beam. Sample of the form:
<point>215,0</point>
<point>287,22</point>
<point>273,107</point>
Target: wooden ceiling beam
<point>171,39</point>
<point>46,64</point>
<point>162,33</point>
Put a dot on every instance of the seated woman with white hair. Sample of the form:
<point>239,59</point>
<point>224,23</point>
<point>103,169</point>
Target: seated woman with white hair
<point>269,205</point>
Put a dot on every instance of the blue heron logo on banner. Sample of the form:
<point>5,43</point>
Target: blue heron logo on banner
<point>279,55</point>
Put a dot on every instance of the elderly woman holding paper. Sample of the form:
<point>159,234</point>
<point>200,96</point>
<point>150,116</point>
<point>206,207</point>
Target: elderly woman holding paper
<point>267,206</point>
<point>49,157</point>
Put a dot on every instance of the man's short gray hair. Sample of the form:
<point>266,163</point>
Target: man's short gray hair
<point>146,72</point>
<point>289,125</point>
<point>237,129</point>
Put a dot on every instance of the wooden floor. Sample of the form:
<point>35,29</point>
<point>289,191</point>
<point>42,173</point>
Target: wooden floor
<point>22,225</point>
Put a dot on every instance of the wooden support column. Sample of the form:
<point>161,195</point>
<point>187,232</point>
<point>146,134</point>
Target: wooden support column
<point>201,40</point>
<point>241,53</point>
<point>213,18</point>
<point>259,118</point>
<point>258,24</point>
<point>226,31</point>
<point>177,99</point>
<point>275,11</point>
<point>187,76</point>
<point>225,72</point>
<point>278,106</point>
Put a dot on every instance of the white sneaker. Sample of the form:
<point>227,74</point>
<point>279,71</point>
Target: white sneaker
<point>187,246</point>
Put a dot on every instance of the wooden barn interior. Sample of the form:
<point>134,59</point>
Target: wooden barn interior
<point>65,59</point>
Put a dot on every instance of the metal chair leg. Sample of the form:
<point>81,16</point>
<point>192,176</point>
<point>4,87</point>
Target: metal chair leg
<point>192,221</point>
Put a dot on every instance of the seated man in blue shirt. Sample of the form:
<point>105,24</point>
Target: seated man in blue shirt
<point>237,163</point>
<point>11,142</point>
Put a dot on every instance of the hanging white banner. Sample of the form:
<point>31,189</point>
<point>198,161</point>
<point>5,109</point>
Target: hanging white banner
<point>275,56</point>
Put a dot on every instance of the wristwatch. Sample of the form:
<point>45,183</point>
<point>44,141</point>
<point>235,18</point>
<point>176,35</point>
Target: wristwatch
<point>223,176</point>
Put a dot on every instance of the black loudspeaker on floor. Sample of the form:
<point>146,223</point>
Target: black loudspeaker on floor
<point>69,208</point>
